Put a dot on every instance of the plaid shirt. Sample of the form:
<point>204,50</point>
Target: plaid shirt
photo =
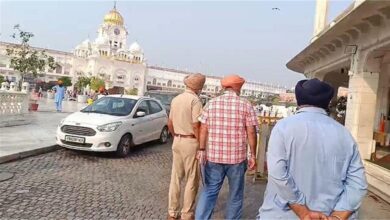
<point>227,117</point>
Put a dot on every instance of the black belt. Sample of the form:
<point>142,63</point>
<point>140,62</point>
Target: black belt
<point>185,136</point>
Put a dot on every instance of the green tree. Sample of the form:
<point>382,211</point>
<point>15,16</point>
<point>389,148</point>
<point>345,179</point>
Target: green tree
<point>82,82</point>
<point>1,79</point>
<point>253,99</point>
<point>67,81</point>
<point>133,91</point>
<point>96,83</point>
<point>26,59</point>
<point>276,99</point>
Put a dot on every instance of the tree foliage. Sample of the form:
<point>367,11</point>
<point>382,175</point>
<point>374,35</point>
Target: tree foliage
<point>97,83</point>
<point>133,91</point>
<point>67,81</point>
<point>1,79</point>
<point>26,59</point>
<point>82,82</point>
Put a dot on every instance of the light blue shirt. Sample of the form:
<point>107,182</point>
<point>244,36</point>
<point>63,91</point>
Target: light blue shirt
<point>60,93</point>
<point>314,161</point>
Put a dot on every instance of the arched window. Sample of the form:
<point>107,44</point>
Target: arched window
<point>58,68</point>
<point>154,81</point>
<point>169,83</point>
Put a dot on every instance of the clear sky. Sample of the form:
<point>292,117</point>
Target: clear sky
<point>217,38</point>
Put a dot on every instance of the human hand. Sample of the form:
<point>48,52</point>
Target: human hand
<point>332,217</point>
<point>252,163</point>
<point>201,156</point>
<point>340,215</point>
<point>312,215</point>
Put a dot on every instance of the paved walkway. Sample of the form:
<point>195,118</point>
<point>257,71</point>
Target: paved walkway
<point>68,184</point>
<point>20,140</point>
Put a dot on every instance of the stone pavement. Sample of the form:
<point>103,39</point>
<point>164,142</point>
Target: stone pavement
<point>19,141</point>
<point>69,184</point>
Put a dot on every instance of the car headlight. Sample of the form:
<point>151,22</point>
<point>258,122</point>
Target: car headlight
<point>109,127</point>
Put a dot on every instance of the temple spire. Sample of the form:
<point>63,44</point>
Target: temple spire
<point>115,5</point>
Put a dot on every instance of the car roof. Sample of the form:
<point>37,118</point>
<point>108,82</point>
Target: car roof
<point>131,97</point>
<point>162,92</point>
<point>125,96</point>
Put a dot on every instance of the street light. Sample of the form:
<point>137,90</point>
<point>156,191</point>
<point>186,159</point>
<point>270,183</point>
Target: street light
<point>350,49</point>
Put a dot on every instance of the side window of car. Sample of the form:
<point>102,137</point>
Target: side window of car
<point>143,107</point>
<point>154,107</point>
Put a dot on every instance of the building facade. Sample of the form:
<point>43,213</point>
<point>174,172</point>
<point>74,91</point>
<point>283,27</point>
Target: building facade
<point>353,52</point>
<point>121,65</point>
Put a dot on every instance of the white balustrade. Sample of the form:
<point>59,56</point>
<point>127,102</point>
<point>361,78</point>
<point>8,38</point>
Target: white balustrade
<point>25,87</point>
<point>12,86</point>
<point>13,104</point>
<point>4,86</point>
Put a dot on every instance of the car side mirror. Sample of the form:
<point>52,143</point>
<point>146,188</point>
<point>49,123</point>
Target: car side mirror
<point>140,114</point>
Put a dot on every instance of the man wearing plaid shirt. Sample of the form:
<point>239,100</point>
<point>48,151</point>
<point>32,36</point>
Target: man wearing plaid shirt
<point>228,124</point>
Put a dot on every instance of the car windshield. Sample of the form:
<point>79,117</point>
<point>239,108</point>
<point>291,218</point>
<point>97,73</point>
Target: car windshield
<point>111,106</point>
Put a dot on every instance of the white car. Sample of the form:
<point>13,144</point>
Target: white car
<point>114,123</point>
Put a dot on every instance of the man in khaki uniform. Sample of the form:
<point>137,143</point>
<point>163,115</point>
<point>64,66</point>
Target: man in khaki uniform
<point>184,126</point>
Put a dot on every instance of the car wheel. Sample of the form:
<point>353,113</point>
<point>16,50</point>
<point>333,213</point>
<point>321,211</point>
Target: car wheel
<point>124,146</point>
<point>164,135</point>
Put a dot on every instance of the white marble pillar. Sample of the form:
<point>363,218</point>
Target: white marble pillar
<point>358,2</point>
<point>320,19</point>
<point>361,109</point>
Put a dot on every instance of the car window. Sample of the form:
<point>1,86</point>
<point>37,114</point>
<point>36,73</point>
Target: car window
<point>101,104</point>
<point>154,107</point>
<point>118,104</point>
<point>143,107</point>
<point>165,99</point>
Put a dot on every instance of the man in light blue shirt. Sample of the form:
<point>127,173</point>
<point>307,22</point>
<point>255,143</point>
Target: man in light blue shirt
<point>314,166</point>
<point>59,96</point>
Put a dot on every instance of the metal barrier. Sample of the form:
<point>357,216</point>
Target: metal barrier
<point>266,123</point>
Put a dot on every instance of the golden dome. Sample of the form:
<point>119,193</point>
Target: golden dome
<point>113,17</point>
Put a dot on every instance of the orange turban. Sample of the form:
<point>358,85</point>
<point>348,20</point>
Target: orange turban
<point>60,82</point>
<point>195,81</point>
<point>233,81</point>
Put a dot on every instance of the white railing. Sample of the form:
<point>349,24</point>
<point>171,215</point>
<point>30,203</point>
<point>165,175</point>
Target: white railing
<point>13,104</point>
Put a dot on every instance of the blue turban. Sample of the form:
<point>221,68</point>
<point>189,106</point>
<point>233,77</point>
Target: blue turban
<point>314,92</point>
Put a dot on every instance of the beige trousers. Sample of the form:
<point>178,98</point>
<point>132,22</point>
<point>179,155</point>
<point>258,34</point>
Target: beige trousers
<point>184,168</point>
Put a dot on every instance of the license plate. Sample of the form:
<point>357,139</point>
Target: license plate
<point>74,139</point>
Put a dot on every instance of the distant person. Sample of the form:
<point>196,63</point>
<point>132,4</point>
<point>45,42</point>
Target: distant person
<point>102,92</point>
<point>314,166</point>
<point>40,92</point>
<point>95,95</point>
<point>183,124</point>
<point>229,124</point>
<point>59,90</point>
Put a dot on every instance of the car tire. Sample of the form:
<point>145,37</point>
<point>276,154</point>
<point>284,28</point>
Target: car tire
<point>124,146</point>
<point>164,136</point>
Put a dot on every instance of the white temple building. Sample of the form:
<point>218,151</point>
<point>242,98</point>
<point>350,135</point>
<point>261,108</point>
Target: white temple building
<point>123,66</point>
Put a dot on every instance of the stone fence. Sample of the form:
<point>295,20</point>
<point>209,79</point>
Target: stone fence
<point>14,104</point>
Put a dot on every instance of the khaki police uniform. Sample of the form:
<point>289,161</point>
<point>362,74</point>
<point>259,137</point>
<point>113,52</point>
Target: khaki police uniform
<point>185,110</point>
